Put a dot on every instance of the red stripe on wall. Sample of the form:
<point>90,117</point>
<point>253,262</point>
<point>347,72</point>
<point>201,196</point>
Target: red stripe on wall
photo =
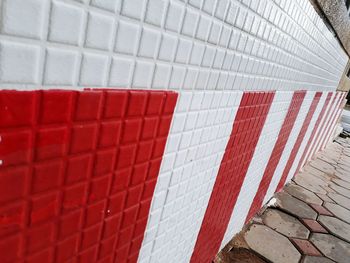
<point>287,126</point>
<point>332,122</point>
<point>245,134</point>
<point>314,130</point>
<point>324,126</point>
<point>299,140</point>
<point>78,172</point>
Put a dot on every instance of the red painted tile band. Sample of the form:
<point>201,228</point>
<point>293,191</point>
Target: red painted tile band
<point>286,129</point>
<point>78,172</point>
<point>245,134</point>
<point>325,123</point>
<point>313,133</point>
<point>319,133</point>
<point>333,121</point>
<point>337,119</point>
<point>299,140</point>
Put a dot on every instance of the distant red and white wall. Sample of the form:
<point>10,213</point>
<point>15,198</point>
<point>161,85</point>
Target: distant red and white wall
<point>152,130</point>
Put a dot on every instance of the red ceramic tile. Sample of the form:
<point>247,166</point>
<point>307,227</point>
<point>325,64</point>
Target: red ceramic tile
<point>306,247</point>
<point>155,103</point>
<point>83,138</point>
<point>78,168</point>
<point>132,130</point>
<point>90,236</point>
<point>88,256</point>
<point>95,213</point>
<point>11,115</point>
<point>112,225</point>
<point>66,249</point>
<point>56,106</point>
<point>47,176</point>
<point>252,112</point>
<point>107,247</point>
<point>137,103</point>
<point>15,147</point>
<point>115,105</point>
<point>44,256</point>
<point>88,105</point>
<point>134,195</point>
<point>314,226</point>
<point>44,208</point>
<point>88,162</point>
<point>69,224</point>
<point>104,162</point>
<point>126,156</point>
<point>12,218</point>
<point>99,188</point>
<point>149,127</point>
<point>12,183</point>
<point>110,133</point>
<point>51,143</point>
<point>129,217</point>
<point>74,197</point>
<point>121,180</point>
<point>10,249</point>
<point>40,238</point>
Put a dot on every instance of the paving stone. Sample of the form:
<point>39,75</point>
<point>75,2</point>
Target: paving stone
<point>340,199</point>
<point>321,180</point>
<point>322,166</point>
<point>303,194</point>
<point>239,255</point>
<point>343,175</point>
<point>306,247</point>
<point>328,189</point>
<point>339,189</point>
<point>332,159</point>
<point>314,171</point>
<point>338,211</point>
<point>341,182</point>
<point>312,259</point>
<point>325,198</point>
<point>308,183</point>
<point>332,247</point>
<point>285,224</point>
<point>261,239</point>
<point>321,210</point>
<point>336,226</point>
<point>314,226</point>
<point>294,206</point>
<point>344,167</point>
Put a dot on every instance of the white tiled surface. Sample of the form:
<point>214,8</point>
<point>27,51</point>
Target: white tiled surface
<point>169,44</point>
<point>289,145</point>
<point>262,153</point>
<point>200,131</point>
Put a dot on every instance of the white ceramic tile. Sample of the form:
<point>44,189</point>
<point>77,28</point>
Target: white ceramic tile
<point>100,31</point>
<point>66,24</point>
<point>19,62</point>
<point>24,18</point>
<point>61,67</point>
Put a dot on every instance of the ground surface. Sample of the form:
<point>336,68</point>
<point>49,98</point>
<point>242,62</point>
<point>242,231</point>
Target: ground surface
<point>308,222</point>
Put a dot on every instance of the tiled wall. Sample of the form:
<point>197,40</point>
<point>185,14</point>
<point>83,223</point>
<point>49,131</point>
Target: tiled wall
<point>201,110</point>
<point>167,44</point>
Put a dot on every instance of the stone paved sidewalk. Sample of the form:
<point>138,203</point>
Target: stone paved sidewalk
<point>308,222</point>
